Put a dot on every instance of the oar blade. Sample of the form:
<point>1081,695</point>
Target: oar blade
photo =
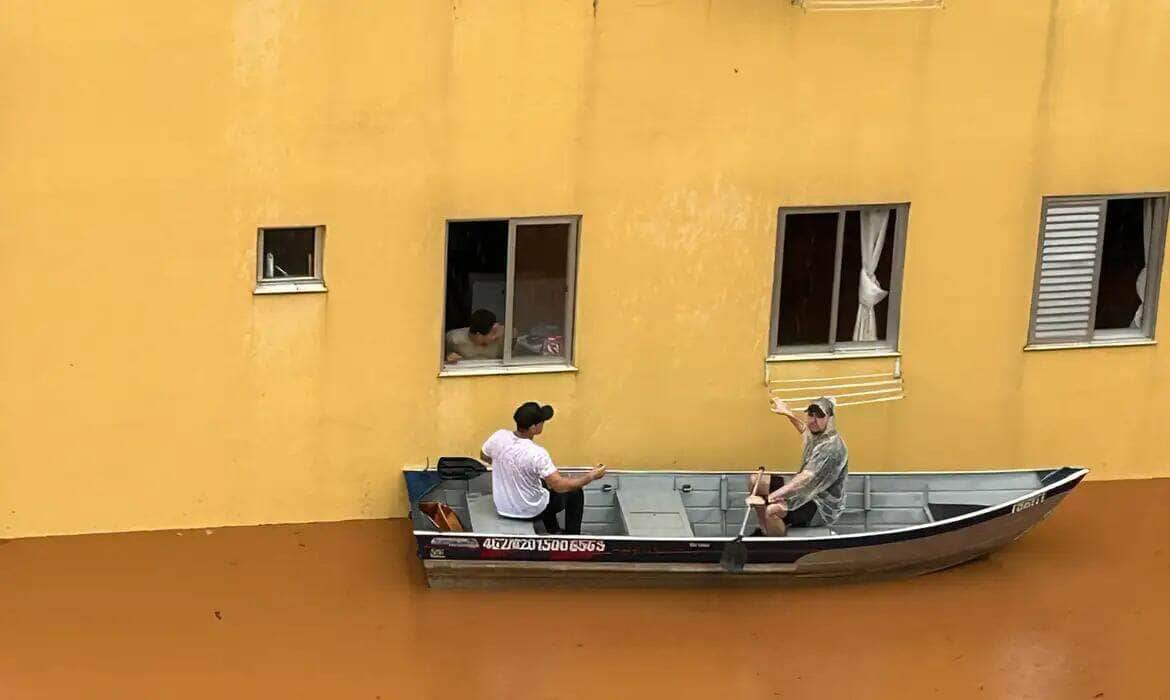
<point>734,556</point>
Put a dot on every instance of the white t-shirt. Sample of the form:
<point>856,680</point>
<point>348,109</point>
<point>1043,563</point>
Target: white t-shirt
<point>518,465</point>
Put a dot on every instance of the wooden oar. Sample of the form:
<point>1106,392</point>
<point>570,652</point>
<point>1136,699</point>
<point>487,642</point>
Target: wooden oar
<point>734,555</point>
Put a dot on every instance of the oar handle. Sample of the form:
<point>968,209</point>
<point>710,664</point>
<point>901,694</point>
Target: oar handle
<point>759,480</point>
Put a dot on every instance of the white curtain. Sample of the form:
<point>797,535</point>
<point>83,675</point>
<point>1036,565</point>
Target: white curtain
<point>1147,229</point>
<point>869,291</point>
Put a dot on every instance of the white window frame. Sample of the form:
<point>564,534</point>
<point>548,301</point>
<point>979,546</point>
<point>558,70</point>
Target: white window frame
<point>314,283</point>
<point>509,364</point>
<point>834,348</point>
<point>1154,258</point>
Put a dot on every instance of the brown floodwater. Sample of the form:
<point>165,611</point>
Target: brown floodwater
<point>1076,609</point>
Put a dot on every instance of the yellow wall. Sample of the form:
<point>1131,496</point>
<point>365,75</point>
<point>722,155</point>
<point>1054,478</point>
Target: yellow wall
<point>142,385</point>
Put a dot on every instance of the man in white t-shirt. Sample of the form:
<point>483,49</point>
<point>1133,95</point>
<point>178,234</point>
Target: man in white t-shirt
<point>525,483</point>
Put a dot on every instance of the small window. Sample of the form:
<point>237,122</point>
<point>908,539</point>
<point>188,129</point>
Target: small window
<point>509,293</point>
<point>290,259</point>
<point>838,279</point>
<point>1097,269</point>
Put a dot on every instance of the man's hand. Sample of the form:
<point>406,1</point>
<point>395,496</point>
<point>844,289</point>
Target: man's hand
<point>454,357</point>
<point>563,484</point>
<point>781,409</point>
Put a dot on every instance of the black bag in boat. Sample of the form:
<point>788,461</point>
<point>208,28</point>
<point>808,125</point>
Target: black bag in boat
<point>460,468</point>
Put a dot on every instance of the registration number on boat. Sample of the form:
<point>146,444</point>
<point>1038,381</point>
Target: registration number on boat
<point>1022,505</point>
<point>509,544</point>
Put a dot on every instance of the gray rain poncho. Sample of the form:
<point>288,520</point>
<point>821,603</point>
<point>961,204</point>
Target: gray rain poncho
<point>827,459</point>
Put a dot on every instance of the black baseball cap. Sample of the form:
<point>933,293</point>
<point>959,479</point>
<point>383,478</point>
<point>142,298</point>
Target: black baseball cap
<point>815,410</point>
<point>531,413</point>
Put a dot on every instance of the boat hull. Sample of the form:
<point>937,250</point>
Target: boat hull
<point>462,560</point>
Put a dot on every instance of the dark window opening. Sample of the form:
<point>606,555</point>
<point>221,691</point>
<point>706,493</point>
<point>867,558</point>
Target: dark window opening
<point>477,268</point>
<point>289,252</point>
<point>1123,256</point>
<point>806,279</point>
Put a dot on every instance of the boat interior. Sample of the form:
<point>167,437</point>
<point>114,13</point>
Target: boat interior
<point>654,504</point>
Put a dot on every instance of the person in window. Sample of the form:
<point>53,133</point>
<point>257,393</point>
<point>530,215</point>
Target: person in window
<point>526,485</point>
<point>483,339</point>
<point>815,496</point>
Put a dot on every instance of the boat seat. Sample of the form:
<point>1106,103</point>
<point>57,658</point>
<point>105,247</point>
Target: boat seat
<point>808,532</point>
<point>652,510</point>
<point>484,518</point>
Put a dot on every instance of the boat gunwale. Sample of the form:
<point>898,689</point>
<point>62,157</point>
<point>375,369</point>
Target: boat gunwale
<point>712,472</point>
<point>1077,474</point>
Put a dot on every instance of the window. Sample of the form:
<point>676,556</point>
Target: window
<point>290,260</point>
<point>509,293</point>
<point>838,279</point>
<point>1097,269</point>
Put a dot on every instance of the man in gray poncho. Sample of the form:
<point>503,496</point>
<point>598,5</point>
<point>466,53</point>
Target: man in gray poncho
<point>815,496</point>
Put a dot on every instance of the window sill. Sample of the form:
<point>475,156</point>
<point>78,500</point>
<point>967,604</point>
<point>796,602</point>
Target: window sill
<point>858,355</point>
<point>1112,343</point>
<point>482,371</point>
<point>308,287</point>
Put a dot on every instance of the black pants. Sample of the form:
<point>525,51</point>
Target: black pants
<point>573,503</point>
<point>802,516</point>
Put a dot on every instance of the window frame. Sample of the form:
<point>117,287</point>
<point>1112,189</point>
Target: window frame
<point>292,285</point>
<point>836,348</point>
<point>508,364</point>
<point>1154,261</point>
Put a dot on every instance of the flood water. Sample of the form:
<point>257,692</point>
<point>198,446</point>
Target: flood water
<point>1076,609</point>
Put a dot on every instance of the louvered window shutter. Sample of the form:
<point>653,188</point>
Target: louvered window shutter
<point>1065,296</point>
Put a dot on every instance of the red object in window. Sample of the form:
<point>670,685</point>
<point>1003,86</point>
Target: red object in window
<point>553,345</point>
